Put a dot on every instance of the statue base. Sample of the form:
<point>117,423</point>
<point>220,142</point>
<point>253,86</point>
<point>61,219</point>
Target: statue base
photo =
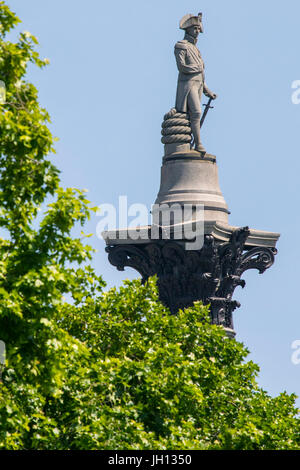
<point>208,270</point>
<point>190,179</point>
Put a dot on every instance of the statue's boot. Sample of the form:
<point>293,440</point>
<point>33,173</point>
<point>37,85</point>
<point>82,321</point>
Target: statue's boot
<point>200,148</point>
<point>195,126</point>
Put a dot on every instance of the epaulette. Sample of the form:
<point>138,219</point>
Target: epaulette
<point>181,44</point>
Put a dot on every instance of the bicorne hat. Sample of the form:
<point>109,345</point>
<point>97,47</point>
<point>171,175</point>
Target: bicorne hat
<point>191,20</point>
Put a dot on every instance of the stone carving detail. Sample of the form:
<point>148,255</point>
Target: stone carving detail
<point>176,128</point>
<point>210,274</point>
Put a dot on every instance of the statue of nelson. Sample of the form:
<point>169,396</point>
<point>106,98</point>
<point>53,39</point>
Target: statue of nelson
<point>191,79</point>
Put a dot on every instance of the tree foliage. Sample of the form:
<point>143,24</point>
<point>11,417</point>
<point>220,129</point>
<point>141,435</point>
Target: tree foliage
<point>93,369</point>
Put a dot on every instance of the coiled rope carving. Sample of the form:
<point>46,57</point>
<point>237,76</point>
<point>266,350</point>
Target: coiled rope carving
<point>176,128</point>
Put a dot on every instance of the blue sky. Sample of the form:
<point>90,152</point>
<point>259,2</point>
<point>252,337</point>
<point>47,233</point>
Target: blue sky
<point>112,77</point>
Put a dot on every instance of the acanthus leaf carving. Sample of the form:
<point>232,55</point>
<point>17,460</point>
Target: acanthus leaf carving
<point>210,274</point>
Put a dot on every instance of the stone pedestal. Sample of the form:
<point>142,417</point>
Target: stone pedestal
<point>210,273</point>
<point>188,178</point>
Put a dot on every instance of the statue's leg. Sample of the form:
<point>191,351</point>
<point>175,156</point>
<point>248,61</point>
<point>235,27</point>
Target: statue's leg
<point>194,109</point>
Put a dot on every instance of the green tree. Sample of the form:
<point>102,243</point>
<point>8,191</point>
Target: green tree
<point>102,370</point>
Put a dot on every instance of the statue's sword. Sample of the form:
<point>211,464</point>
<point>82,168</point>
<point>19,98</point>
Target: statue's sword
<point>207,107</point>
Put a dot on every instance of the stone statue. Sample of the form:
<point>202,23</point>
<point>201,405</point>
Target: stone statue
<point>191,79</point>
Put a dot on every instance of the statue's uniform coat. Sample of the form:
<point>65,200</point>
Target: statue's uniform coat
<point>191,79</point>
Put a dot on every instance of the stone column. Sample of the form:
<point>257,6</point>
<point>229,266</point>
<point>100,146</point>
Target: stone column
<point>210,273</point>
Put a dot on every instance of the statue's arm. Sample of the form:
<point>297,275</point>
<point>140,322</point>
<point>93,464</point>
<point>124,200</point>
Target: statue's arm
<point>183,67</point>
<point>208,92</point>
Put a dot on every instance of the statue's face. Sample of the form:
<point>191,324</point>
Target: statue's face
<point>194,31</point>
